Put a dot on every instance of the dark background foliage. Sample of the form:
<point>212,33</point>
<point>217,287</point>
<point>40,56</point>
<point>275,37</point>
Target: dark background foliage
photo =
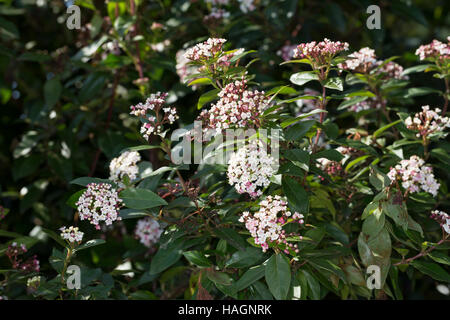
<point>64,104</point>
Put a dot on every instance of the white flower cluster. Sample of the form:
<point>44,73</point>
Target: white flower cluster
<point>148,231</point>
<point>266,225</point>
<point>365,60</point>
<point>427,122</point>
<point>250,169</point>
<point>125,164</point>
<point>205,50</point>
<point>435,50</point>
<point>443,219</point>
<point>71,234</point>
<point>360,61</point>
<point>415,176</point>
<point>100,202</point>
<point>237,108</point>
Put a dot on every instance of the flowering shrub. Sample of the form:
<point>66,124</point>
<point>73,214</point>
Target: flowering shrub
<point>333,160</point>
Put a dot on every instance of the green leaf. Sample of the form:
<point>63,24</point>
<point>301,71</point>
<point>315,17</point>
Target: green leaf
<point>296,195</point>
<point>298,130</point>
<point>301,78</point>
<point>330,154</point>
<point>374,223</point>
<point>141,199</point>
<point>91,243</point>
<point>74,198</point>
<point>166,256</point>
<point>133,213</point>
<point>197,258</point>
<point>384,128</point>
<point>328,266</point>
<point>313,285</point>
<point>201,82</point>
<point>245,258</point>
<point>335,83</point>
<point>232,237</point>
<point>207,97</point>
<point>249,277</point>
<point>440,257</point>
<point>299,157</point>
<point>219,278</point>
<point>432,269</point>
<point>8,234</point>
<point>278,276</point>
<point>52,92</point>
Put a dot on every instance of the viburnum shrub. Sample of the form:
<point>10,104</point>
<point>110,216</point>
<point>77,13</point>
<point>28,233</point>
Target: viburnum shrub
<point>284,190</point>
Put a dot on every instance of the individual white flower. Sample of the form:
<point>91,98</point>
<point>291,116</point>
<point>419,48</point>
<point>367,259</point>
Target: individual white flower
<point>100,202</point>
<point>250,169</point>
<point>71,234</point>
<point>415,176</point>
<point>148,231</point>
<point>125,164</point>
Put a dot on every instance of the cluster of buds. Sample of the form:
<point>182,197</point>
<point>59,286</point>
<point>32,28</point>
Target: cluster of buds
<point>236,108</point>
<point>71,234</point>
<point>442,218</point>
<point>427,122</point>
<point>100,202</point>
<point>266,225</point>
<point>149,112</point>
<point>250,169</point>
<point>435,50</point>
<point>148,231</point>
<point>205,50</point>
<point>365,61</point>
<point>14,251</point>
<point>320,53</point>
<point>414,176</point>
<point>124,165</point>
